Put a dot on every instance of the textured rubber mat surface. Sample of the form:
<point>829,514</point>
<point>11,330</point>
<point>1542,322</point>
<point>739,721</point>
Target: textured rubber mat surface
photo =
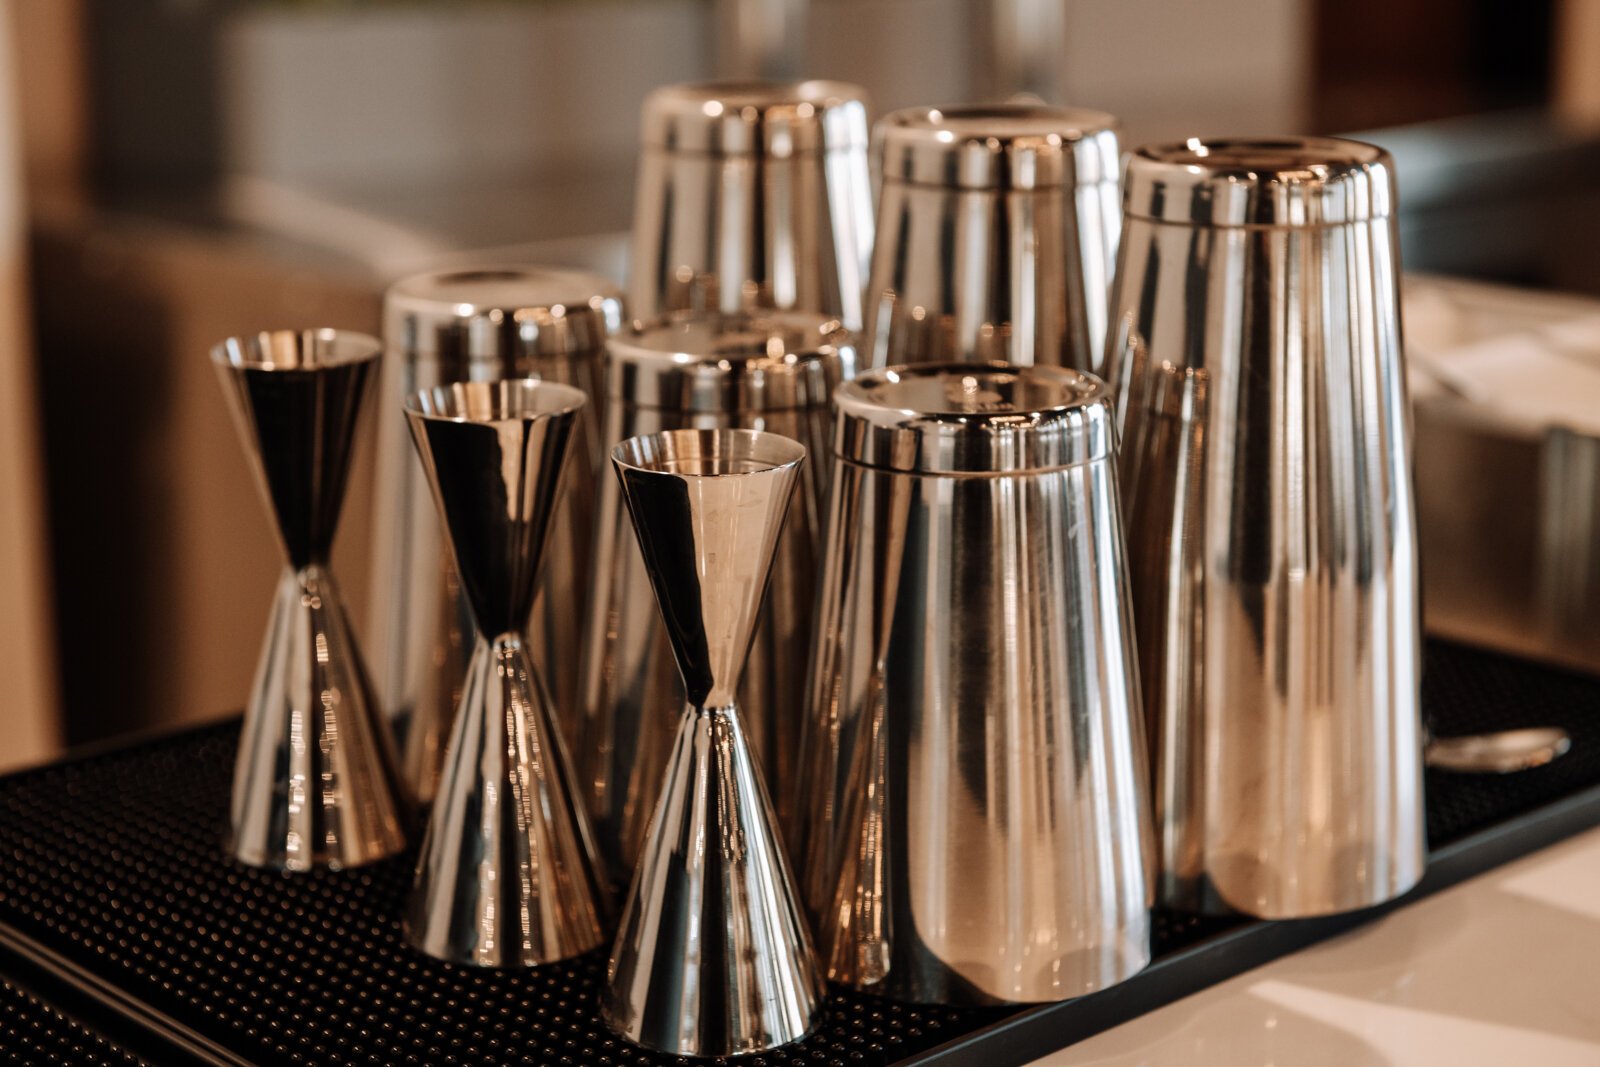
<point>35,1032</point>
<point>113,862</point>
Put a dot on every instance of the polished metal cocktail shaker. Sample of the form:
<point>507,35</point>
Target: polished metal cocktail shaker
<point>771,372</point>
<point>479,324</point>
<point>976,824</point>
<point>752,194</point>
<point>1266,473</point>
<point>997,232</point>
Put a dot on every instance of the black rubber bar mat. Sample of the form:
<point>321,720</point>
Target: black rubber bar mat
<point>111,875</point>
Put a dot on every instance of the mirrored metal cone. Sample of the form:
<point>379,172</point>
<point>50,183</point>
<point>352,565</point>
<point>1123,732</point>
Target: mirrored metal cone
<point>314,780</point>
<point>297,400</point>
<point>712,957</point>
<point>508,874</point>
<point>314,783</point>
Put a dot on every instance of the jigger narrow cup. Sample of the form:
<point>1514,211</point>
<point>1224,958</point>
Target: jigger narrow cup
<point>712,957</point>
<point>314,784</point>
<point>508,874</point>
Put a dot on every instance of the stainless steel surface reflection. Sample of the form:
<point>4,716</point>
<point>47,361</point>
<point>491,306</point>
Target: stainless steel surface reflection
<point>712,957</point>
<point>997,233</point>
<point>773,372</point>
<point>1266,471</point>
<point>978,824</point>
<point>479,324</point>
<point>752,195</point>
<point>314,783</point>
<point>508,874</point>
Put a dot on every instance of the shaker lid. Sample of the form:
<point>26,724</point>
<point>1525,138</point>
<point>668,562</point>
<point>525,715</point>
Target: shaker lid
<point>502,314</point>
<point>731,362</point>
<point>778,119</point>
<point>1003,146</point>
<point>1280,182</point>
<point>974,418</point>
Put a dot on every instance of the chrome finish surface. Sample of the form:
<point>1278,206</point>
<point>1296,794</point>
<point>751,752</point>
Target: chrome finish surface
<point>314,783</point>
<point>772,372</point>
<point>1502,752</point>
<point>712,957</point>
<point>997,236</point>
<point>479,324</point>
<point>1266,473</point>
<point>977,827</point>
<point>752,195</point>
<point>508,874</point>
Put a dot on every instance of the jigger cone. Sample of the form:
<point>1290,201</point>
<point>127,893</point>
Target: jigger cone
<point>508,875</point>
<point>314,783</point>
<point>712,957</point>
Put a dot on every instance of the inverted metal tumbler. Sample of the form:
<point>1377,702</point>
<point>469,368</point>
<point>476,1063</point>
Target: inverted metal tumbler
<point>314,782</point>
<point>773,372</point>
<point>1266,471</point>
<point>712,957</point>
<point>978,824</point>
<point>507,875</point>
<point>997,233</point>
<point>752,195</point>
<point>479,324</point>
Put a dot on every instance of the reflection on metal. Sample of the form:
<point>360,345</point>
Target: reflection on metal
<point>479,324</point>
<point>712,957</point>
<point>1266,471</point>
<point>1503,752</point>
<point>977,824</point>
<point>314,783</point>
<point>508,874</point>
<point>752,195</point>
<point>998,232</point>
<point>772,372</point>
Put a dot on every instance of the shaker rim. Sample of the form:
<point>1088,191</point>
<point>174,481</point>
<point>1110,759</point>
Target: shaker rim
<point>500,312</point>
<point>1273,182</point>
<point>999,146</point>
<point>762,360</point>
<point>755,118</point>
<point>974,419</point>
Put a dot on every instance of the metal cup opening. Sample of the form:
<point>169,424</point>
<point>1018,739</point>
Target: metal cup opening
<point>296,350</point>
<point>708,453</point>
<point>499,401</point>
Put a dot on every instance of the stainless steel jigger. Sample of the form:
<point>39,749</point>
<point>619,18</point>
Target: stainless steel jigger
<point>508,874</point>
<point>713,957</point>
<point>314,783</point>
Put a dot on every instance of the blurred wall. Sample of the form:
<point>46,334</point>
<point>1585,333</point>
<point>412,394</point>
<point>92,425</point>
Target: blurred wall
<point>29,724</point>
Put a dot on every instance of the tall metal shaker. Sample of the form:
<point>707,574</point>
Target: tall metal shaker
<point>997,234</point>
<point>1266,471</point>
<point>977,813</point>
<point>773,372</point>
<point>752,195</point>
<point>479,324</point>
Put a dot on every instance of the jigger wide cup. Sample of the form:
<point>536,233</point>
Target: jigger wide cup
<point>977,825</point>
<point>480,323</point>
<point>1266,472</point>
<point>712,956</point>
<point>997,232</point>
<point>773,371</point>
<point>314,782</point>
<point>752,195</point>
<point>508,874</point>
